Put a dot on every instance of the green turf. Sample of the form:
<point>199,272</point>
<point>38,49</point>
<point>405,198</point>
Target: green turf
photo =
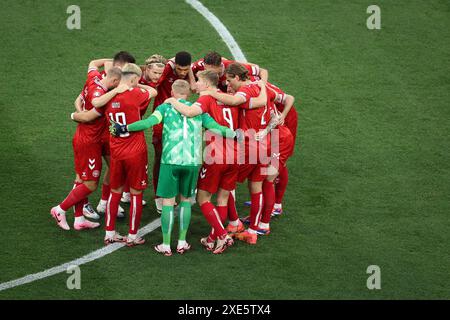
<point>369,181</point>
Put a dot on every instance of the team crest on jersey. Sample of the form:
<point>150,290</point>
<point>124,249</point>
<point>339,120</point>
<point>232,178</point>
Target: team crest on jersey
<point>115,105</point>
<point>96,173</point>
<point>97,94</point>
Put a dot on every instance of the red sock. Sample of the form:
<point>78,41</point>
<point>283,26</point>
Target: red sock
<point>232,212</point>
<point>76,195</point>
<point>256,209</point>
<point>223,213</point>
<point>78,207</point>
<point>212,216</point>
<point>135,213</point>
<point>269,200</point>
<point>280,187</point>
<point>106,189</point>
<point>111,211</point>
<point>212,235</point>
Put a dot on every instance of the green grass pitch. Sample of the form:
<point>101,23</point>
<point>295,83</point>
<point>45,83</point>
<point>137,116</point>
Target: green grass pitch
<point>369,181</point>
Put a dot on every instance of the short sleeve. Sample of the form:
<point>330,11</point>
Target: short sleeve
<point>203,102</point>
<point>244,93</point>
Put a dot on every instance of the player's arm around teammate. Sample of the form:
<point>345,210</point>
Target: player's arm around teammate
<point>88,116</point>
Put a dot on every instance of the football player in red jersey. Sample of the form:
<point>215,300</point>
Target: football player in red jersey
<point>176,68</point>
<point>119,60</point>
<point>250,98</point>
<point>281,136</point>
<point>218,173</point>
<point>128,154</point>
<point>251,120</point>
<point>87,148</point>
<point>151,73</point>
<point>215,62</point>
<point>128,159</point>
<point>287,119</point>
<point>153,70</point>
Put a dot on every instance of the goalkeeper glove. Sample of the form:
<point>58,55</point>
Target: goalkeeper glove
<point>116,129</point>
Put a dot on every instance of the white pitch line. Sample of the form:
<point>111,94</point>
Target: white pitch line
<point>77,262</point>
<point>238,55</point>
<point>221,30</point>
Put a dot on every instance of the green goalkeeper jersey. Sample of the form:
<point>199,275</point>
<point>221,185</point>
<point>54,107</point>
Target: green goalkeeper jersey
<point>182,136</point>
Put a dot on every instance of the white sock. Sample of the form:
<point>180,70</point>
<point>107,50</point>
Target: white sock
<point>79,219</point>
<point>132,237</point>
<point>251,230</point>
<point>110,234</point>
<point>165,247</point>
<point>59,210</point>
<point>103,202</point>
<point>235,223</point>
<point>277,206</point>
<point>263,225</point>
<point>181,243</point>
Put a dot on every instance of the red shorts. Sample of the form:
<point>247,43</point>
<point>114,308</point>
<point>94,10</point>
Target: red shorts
<point>214,176</point>
<point>283,150</point>
<point>88,160</point>
<point>131,170</point>
<point>253,172</point>
<point>291,122</point>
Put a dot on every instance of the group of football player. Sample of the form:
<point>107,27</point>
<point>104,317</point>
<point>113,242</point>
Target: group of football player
<point>251,128</point>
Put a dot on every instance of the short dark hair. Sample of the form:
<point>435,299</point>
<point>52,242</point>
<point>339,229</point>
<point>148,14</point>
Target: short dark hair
<point>183,59</point>
<point>212,58</point>
<point>124,57</point>
<point>237,69</point>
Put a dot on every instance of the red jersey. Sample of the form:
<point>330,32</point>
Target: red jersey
<point>291,117</point>
<point>257,118</point>
<point>91,132</point>
<point>149,83</point>
<point>225,116</point>
<point>253,71</point>
<point>281,96</point>
<point>164,84</point>
<point>125,108</point>
<point>146,82</point>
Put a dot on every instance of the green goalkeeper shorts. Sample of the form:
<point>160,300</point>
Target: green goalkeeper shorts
<point>175,179</point>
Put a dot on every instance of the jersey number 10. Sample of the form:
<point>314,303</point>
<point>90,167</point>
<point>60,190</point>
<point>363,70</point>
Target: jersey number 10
<point>120,119</point>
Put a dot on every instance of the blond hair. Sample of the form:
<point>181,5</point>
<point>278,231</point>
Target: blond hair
<point>131,68</point>
<point>114,72</point>
<point>210,76</point>
<point>157,60</point>
<point>181,87</point>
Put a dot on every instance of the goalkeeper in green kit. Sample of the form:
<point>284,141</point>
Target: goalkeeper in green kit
<point>180,161</point>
